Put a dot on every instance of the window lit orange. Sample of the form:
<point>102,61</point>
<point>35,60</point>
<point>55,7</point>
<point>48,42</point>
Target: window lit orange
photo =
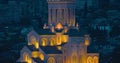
<point>89,60</point>
<point>87,40</point>
<point>52,42</point>
<point>44,41</point>
<point>41,56</point>
<point>26,58</point>
<point>95,59</point>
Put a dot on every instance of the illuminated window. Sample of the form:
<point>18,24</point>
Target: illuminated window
<point>52,42</point>
<point>64,38</point>
<point>65,29</point>
<point>33,41</point>
<point>53,29</point>
<point>51,60</point>
<point>36,44</point>
<point>44,41</point>
<point>95,59</point>
<point>26,58</point>
<point>58,38</point>
<point>89,60</point>
<point>59,47</point>
<point>41,56</point>
<point>87,42</point>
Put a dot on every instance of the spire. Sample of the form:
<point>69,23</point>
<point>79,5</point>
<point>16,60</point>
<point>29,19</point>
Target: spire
<point>87,40</point>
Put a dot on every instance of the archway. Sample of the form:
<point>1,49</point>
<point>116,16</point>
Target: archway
<point>89,60</point>
<point>95,59</point>
<point>43,41</point>
<point>52,42</point>
<point>33,41</point>
<point>26,58</point>
<point>51,60</point>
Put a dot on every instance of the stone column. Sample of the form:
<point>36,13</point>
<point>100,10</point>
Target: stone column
<point>66,15</point>
<point>63,17</point>
<point>53,15</point>
<point>58,15</point>
<point>74,17</point>
<point>49,15</point>
<point>71,17</point>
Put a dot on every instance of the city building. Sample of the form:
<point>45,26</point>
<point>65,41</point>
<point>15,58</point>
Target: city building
<point>60,40</point>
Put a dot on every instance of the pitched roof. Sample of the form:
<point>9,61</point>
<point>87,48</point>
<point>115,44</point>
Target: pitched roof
<point>44,32</point>
<point>51,50</point>
<point>58,30</point>
<point>38,60</point>
<point>32,48</point>
<point>74,33</point>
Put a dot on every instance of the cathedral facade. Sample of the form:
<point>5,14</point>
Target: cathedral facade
<point>60,40</point>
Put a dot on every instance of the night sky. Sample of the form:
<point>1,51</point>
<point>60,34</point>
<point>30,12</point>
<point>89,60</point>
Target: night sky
<point>98,18</point>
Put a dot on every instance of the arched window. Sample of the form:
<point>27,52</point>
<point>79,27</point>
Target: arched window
<point>51,60</point>
<point>64,38</point>
<point>95,59</point>
<point>89,60</point>
<point>33,41</point>
<point>41,56</point>
<point>52,42</point>
<point>58,39</point>
<point>44,41</point>
<point>26,58</point>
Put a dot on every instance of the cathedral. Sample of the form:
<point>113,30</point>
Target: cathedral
<point>60,40</point>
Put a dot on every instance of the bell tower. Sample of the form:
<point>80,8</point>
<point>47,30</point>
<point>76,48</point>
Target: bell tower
<point>61,11</point>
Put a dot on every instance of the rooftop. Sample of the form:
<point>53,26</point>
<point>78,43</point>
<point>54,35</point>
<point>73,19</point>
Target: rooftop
<point>32,48</point>
<point>37,60</point>
<point>45,32</point>
<point>51,50</point>
<point>74,33</point>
